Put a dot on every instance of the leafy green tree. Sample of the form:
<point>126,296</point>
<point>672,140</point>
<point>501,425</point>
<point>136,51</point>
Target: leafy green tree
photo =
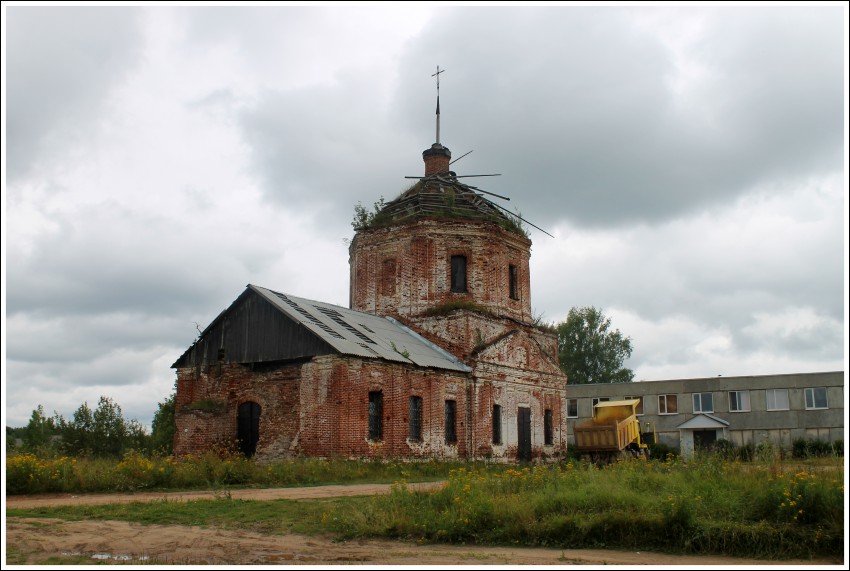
<point>39,431</point>
<point>109,430</point>
<point>588,352</point>
<point>77,434</point>
<point>136,438</point>
<point>163,425</point>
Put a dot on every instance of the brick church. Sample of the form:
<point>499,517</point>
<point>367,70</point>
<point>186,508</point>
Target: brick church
<point>437,356</point>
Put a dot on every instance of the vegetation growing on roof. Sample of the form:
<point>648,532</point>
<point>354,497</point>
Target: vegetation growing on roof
<point>435,200</point>
<point>450,306</point>
<point>206,405</point>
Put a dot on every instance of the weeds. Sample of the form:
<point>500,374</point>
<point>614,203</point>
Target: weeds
<point>708,506</point>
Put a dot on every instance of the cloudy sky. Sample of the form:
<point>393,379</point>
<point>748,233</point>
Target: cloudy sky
<point>690,163</point>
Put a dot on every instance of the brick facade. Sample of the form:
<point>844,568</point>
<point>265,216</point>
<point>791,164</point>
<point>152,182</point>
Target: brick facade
<point>406,270</point>
<point>462,285</point>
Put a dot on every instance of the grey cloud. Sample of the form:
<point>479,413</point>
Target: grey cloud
<point>576,107</point>
<point>62,63</point>
<point>320,149</point>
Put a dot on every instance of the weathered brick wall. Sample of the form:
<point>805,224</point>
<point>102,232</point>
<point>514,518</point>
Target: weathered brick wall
<point>321,408</point>
<point>513,372</point>
<point>231,384</point>
<point>462,332</point>
<point>405,270</point>
<point>335,409</point>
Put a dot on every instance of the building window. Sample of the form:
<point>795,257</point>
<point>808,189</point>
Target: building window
<point>572,408</point>
<point>451,420</point>
<point>547,427</point>
<point>596,400</point>
<point>703,402</point>
<point>376,412</point>
<point>739,401</point>
<point>668,404</point>
<point>388,277</point>
<point>459,274</point>
<point>777,399</point>
<point>639,407</point>
<point>416,418</point>
<point>497,424</point>
<point>815,398</point>
<point>512,277</point>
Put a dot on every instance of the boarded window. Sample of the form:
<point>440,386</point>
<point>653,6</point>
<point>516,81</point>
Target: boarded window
<point>416,418</point>
<point>497,424</point>
<point>388,277</point>
<point>512,277</point>
<point>451,422</point>
<point>376,412</point>
<point>547,428</point>
<point>668,404</point>
<point>459,274</point>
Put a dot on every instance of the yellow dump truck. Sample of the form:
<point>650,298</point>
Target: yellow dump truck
<point>614,432</point>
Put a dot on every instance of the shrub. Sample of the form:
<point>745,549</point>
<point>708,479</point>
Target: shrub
<point>802,448</point>
<point>661,451</point>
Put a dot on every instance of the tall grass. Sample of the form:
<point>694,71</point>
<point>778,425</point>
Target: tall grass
<point>30,474</point>
<point>706,506</point>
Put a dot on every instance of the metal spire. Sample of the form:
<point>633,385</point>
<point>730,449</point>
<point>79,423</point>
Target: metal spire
<point>437,75</point>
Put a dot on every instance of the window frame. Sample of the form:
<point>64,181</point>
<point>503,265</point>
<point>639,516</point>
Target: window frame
<point>497,424</point>
<point>665,398</point>
<point>698,397</point>
<point>450,417</point>
<point>744,392</point>
<point>775,407</point>
<point>513,282</point>
<point>455,270</point>
<point>376,416</point>
<point>811,391</point>
<point>568,408</point>
<point>414,432</point>
<point>596,400</point>
<point>548,428</point>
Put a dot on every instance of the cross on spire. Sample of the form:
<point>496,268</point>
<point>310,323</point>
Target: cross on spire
<point>437,75</point>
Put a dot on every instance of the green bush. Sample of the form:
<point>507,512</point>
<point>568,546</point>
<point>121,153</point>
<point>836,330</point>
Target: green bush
<point>802,448</point>
<point>661,451</point>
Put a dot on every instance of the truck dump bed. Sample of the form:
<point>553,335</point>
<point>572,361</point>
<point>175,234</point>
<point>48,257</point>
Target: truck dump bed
<point>612,428</point>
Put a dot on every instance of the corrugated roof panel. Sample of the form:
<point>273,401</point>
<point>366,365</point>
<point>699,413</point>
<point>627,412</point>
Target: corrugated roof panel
<point>362,334</point>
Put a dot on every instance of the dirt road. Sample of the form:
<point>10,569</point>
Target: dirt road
<point>34,541</point>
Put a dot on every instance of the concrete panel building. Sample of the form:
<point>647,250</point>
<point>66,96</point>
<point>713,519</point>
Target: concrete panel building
<point>689,413</point>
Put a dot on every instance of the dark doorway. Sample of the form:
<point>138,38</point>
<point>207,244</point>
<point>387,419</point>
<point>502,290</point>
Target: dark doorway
<point>704,439</point>
<point>248,427</point>
<point>523,421</point>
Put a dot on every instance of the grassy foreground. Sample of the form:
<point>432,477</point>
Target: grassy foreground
<point>708,506</point>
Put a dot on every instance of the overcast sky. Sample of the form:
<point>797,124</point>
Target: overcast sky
<point>689,161</point>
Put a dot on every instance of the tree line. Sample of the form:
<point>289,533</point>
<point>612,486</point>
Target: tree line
<point>98,433</point>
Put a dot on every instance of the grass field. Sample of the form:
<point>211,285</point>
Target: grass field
<point>707,506</point>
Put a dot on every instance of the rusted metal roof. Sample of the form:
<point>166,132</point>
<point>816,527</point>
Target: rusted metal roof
<point>361,334</point>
